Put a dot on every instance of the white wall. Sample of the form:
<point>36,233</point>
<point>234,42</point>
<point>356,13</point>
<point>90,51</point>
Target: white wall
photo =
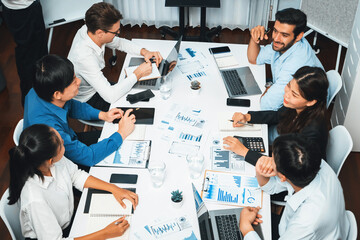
<point>347,104</point>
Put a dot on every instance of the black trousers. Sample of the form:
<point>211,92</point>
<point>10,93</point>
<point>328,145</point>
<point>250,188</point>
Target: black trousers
<point>28,29</point>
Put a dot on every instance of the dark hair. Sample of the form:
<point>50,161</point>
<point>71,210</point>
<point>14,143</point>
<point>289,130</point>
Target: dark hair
<point>101,16</point>
<point>296,158</point>
<point>37,144</point>
<point>293,17</point>
<point>53,73</point>
<point>313,85</point>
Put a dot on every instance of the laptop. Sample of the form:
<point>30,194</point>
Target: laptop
<point>165,68</point>
<point>219,224</point>
<point>240,82</point>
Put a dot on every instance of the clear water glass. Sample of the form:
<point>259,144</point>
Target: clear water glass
<point>157,171</point>
<point>165,87</point>
<point>195,163</point>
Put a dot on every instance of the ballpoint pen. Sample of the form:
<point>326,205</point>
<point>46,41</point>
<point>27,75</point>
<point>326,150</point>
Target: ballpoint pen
<point>266,32</point>
<point>244,123</point>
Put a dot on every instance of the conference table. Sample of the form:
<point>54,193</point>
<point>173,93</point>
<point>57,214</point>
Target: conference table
<point>154,203</point>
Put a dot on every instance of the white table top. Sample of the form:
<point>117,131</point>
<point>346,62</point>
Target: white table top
<point>155,203</point>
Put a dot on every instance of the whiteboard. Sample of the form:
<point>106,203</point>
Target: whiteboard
<point>58,12</point>
<point>332,18</point>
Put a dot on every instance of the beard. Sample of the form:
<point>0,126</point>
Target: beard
<point>284,48</point>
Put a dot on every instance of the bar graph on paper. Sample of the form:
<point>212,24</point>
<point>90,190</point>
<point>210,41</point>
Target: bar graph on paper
<point>190,137</point>
<point>232,189</point>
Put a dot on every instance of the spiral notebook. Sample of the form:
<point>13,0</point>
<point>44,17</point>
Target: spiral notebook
<point>105,209</point>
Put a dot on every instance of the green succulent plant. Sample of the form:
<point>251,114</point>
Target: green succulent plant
<point>176,196</point>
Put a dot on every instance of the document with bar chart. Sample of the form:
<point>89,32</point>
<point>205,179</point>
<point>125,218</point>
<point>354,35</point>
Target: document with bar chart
<point>231,189</point>
<point>131,153</point>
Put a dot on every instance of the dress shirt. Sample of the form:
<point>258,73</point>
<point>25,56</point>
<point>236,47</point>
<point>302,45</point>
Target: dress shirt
<point>37,111</point>
<point>316,131</point>
<point>283,66</point>
<point>315,212</point>
<point>17,4</point>
<point>46,207</point>
<point>88,60</point>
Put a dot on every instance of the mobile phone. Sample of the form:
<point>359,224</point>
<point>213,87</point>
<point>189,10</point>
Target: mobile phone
<point>123,178</point>
<point>216,50</point>
<point>238,102</point>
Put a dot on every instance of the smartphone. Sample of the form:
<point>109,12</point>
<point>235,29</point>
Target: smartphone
<point>238,102</point>
<point>123,178</point>
<point>216,50</point>
<point>142,115</point>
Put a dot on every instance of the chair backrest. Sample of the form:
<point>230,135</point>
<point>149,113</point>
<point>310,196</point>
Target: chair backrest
<point>335,84</point>
<point>18,130</point>
<point>353,226</point>
<point>10,216</point>
<point>338,148</point>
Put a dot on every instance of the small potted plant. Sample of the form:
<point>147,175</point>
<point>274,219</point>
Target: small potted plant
<point>195,87</point>
<point>177,198</point>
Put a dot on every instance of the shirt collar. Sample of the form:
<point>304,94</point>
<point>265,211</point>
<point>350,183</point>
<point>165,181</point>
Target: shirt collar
<point>288,52</point>
<point>58,111</point>
<point>90,42</point>
<point>47,179</point>
<point>298,198</point>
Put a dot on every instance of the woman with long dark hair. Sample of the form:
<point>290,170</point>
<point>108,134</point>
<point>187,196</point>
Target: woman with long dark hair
<point>304,112</point>
<point>42,180</point>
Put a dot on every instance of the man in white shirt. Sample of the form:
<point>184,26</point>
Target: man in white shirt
<point>101,29</point>
<point>315,207</point>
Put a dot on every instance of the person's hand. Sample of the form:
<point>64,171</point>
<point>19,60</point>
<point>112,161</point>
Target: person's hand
<point>258,34</point>
<point>127,124</point>
<point>120,194</point>
<point>110,115</point>
<point>235,145</point>
<point>116,228</point>
<point>248,216</point>
<point>148,54</point>
<point>264,166</point>
<point>143,70</point>
<point>239,117</point>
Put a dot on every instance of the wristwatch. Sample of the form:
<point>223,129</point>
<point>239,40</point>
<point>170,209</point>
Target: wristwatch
<point>268,84</point>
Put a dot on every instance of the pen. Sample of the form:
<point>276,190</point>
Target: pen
<point>248,124</point>
<point>266,32</point>
<point>118,222</point>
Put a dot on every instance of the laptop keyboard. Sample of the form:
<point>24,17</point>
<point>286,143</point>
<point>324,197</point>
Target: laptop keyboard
<point>150,82</point>
<point>233,82</point>
<point>228,227</point>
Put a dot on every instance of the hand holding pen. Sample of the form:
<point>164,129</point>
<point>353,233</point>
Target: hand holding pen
<point>116,228</point>
<point>240,119</point>
<point>259,33</point>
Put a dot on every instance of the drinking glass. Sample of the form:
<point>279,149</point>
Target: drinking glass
<point>165,87</point>
<point>157,171</point>
<point>196,163</point>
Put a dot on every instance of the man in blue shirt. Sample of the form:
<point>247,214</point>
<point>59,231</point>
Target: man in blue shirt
<point>50,102</point>
<point>288,52</point>
<point>315,206</point>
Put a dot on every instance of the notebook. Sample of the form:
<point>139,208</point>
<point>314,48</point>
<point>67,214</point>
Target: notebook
<point>154,72</point>
<point>105,209</point>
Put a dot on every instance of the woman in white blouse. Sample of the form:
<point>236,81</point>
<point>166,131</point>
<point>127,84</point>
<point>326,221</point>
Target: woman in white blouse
<point>42,180</point>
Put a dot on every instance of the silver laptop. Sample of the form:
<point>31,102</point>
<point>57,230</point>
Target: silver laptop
<point>165,68</point>
<point>240,82</point>
<point>219,224</point>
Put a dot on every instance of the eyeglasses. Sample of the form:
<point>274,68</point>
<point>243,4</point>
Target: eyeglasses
<point>117,33</point>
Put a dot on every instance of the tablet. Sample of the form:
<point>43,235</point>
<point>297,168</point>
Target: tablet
<point>142,115</point>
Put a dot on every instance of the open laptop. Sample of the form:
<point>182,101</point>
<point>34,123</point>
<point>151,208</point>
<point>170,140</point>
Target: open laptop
<point>165,67</point>
<point>219,224</point>
<point>240,82</point>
